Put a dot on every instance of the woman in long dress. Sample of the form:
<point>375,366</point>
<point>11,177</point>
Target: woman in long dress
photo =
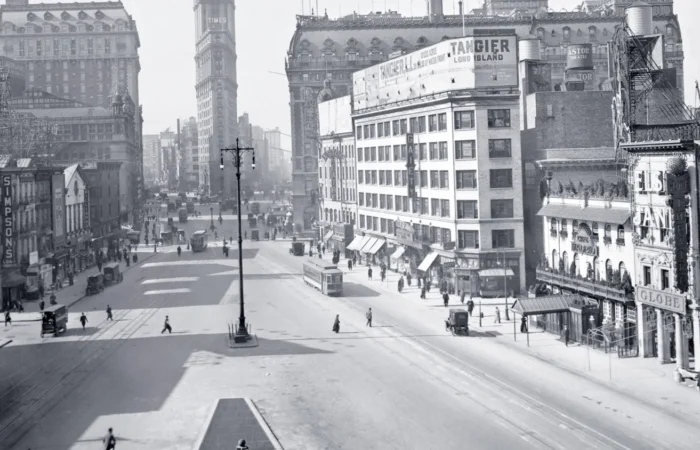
<point>336,324</point>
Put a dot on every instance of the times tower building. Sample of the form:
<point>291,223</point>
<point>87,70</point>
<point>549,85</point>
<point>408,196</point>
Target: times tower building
<point>216,90</point>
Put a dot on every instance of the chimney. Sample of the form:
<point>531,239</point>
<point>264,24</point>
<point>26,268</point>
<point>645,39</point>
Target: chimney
<point>435,8</point>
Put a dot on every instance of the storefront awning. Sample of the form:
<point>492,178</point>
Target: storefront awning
<point>328,236</point>
<point>547,305</point>
<point>368,245</point>
<point>13,279</point>
<point>427,262</point>
<point>617,216</point>
<point>357,243</point>
<point>496,272</point>
<point>398,253</point>
<point>379,243</point>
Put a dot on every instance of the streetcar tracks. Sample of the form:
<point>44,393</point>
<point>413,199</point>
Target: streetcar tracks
<point>46,388</point>
<point>499,389</point>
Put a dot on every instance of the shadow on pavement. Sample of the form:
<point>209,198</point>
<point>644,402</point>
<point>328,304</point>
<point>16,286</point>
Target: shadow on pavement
<point>358,290</point>
<point>79,331</point>
<point>270,276</point>
<point>484,334</point>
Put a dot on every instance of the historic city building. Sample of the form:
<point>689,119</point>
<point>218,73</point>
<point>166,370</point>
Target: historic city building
<point>323,48</point>
<point>77,218</point>
<point>337,173</point>
<point>217,92</point>
<point>439,174</point>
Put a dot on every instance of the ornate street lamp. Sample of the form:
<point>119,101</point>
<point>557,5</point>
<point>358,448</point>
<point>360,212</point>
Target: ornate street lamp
<point>241,335</point>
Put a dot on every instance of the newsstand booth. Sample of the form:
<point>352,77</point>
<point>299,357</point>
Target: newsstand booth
<point>553,312</point>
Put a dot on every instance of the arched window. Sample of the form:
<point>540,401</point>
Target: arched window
<point>575,266</point>
<point>554,33</point>
<point>622,269</point>
<point>607,230</point>
<point>605,31</point>
<point>566,32</point>
<point>540,33</point>
<point>579,33</point>
<point>621,233</point>
<point>555,259</point>
<point>574,227</point>
<point>564,263</point>
<point>564,225</point>
<point>608,270</point>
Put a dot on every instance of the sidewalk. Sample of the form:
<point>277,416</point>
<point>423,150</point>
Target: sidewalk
<point>68,296</point>
<point>642,378</point>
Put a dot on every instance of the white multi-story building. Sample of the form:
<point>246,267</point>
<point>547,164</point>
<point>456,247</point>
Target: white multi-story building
<point>77,217</point>
<point>439,174</point>
<point>337,173</point>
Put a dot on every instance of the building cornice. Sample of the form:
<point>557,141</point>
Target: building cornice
<point>75,6</point>
<point>671,145</point>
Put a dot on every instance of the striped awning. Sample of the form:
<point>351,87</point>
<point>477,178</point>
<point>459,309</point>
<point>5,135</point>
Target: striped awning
<point>368,245</point>
<point>398,253</point>
<point>427,262</point>
<point>379,243</point>
<point>328,236</point>
<point>353,244</point>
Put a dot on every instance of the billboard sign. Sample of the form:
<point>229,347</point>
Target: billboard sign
<point>8,238</point>
<point>579,56</point>
<point>86,209</point>
<point>539,77</point>
<point>473,62</point>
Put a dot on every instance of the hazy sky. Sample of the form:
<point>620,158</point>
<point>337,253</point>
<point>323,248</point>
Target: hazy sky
<point>263,31</point>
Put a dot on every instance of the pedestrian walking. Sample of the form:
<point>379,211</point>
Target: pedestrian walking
<point>245,234</point>
<point>166,326</point>
<point>323,249</point>
<point>400,284</point>
<point>523,325</point>
<point>369,273</point>
<point>109,313</point>
<point>349,264</point>
<point>462,294</point>
<point>8,319</point>
<point>369,317</point>
<point>566,335</point>
<point>336,324</point>
<point>242,445</point>
<point>470,306</point>
<point>179,250</point>
<point>83,320</point>
<point>445,298</point>
<point>383,275</point>
<point>109,441</point>
<point>497,319</point>
<point>41,306</point>
<point>408,278</point>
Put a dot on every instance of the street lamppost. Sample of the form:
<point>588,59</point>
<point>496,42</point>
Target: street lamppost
<point>242,334</point>
<point>505,283</point>
<point>211,210</point>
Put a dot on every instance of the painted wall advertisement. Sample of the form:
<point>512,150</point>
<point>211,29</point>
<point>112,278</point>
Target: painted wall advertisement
<point>455,64</point>
<point>59,215</point>
<point>678,187</point>
<point>539,77</point>
<point>8,221</point>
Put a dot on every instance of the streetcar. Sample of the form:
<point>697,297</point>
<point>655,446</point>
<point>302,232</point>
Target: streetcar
<point>325,277</point>
<point>199,241</point>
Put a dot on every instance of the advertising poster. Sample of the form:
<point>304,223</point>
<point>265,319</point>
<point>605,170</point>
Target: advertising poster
<point>410,166</point>
<point>475,62</point>
<point>8,238</point>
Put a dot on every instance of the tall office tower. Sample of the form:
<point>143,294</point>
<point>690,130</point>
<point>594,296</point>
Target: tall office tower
<point>216,92</point>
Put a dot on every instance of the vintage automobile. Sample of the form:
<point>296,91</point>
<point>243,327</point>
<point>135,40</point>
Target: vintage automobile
<point>95,284</point>
<point>54,320</point>
<point>297,249</point>
<point>458,322</point>
<point>112,274</point>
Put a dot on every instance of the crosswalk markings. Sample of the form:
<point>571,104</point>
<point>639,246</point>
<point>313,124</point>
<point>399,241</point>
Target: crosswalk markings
<point>171,280</point>
<point>228,272</point>
<point>168,291</point>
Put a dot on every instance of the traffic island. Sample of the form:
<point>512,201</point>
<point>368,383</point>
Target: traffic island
<point>238,338</point>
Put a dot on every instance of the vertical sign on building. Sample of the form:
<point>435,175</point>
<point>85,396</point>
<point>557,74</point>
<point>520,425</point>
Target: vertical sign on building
<point>678,188</point>
<point>59,204</point>
<point>334,181</point>
<point>86,208</point>
<point>410,166</point>
<point>8,241</point>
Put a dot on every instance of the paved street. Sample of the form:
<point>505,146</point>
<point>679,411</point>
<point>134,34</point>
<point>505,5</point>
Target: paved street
<point>403,384</point>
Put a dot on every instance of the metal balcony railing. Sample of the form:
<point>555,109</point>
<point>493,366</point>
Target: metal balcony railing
<point>590,287</point>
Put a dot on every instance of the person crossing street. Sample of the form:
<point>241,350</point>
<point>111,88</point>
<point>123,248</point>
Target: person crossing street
<point>83,320</point>
<point>369,317</point>
<point>8,319</point>
<point>109,313</point>
<point>166,326</point>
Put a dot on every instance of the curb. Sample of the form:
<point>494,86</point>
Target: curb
<point>8,342</point>
<point>263,423</point>
<point>69,304</point>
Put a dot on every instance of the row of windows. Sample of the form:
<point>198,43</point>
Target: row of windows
<point>65,47</point>
<point>592,32</point>
<point>464,179</point>
<point>343,173</point>
<point>434,151</point>
<point>466,209</point>
<point>463,120</point>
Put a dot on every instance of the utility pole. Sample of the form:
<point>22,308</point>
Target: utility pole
<point>242,334</point>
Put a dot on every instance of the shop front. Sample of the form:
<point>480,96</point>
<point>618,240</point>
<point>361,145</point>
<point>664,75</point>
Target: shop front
<point>342,236</point>
<point>39,276</point>
<point>664,325</point>
<point>495,282</point>
<point>377,253</point>
<point>366,249</point>
<point>396,260</point>
<point>467,274</point>
<point>61,264</point>
<point>13,287</point>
